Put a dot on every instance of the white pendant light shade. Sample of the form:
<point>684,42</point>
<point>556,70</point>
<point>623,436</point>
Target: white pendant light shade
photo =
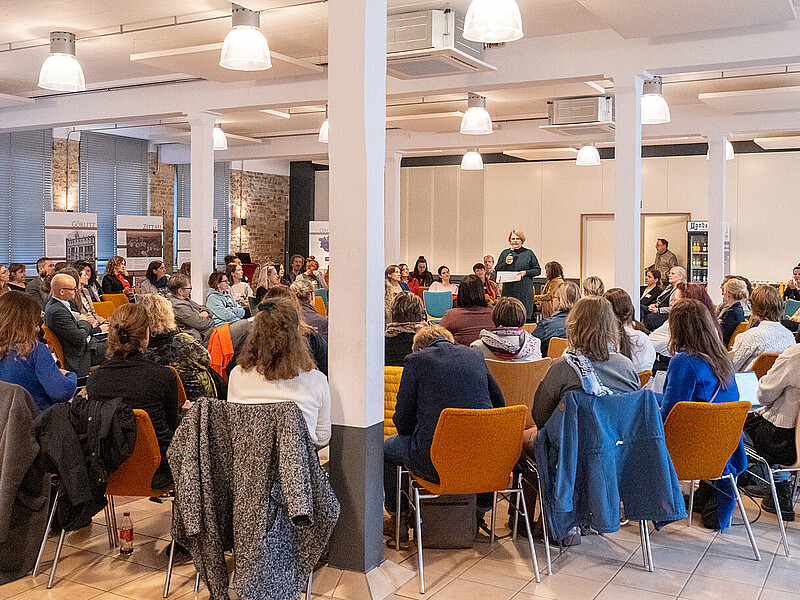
<point>476,121</point>
<point>729,153</point>
<point>220,141</point>
<point>588,156</point>
<point>323,132</point>
<point>472,161</point>
<point>61,71</point>
<point>655,110</point>
<point>245,48</point>
<point>493,21</point>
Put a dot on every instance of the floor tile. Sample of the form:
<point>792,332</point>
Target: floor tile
<point>674,559</point>
<point>104,572</point>
<point>449,562</point>
<point>587,566</point>
<point>351,586</point>
<point>325,580</point>
<point>708,588</point>
<point>460,589</point>
<point>734,569</point>
<point>151,586</point>
<point>661,580</point>
<point>157,526</point>
<point>619,592</point>
<point>770,594</point>
<point>434,581</point>
<point>62,590</point>
<point>511,576</point>
<point>787,580</point>
<point>21,585</point>
<point>565,587</point>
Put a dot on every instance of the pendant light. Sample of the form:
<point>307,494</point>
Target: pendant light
<point>61,71</point>
<point>220,141</point>
<point>588,156</point>
<point>729,153</point>
<point>472,161</point>
<point>476,121</point>
<point>655,110</point>
<point>245,47</point>
<point>323,130</point>
<point>493,21</point>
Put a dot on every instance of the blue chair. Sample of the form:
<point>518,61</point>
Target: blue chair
<point>436,304</point>
<point>322,293</point>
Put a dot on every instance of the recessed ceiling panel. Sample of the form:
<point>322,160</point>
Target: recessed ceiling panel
<point>754,101</point>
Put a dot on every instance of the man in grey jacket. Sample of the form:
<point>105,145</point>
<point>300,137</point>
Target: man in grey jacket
<point>44,267</point>
<point>189,315</point>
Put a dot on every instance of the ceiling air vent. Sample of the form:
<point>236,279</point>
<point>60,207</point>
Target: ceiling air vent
<point>580,116</point>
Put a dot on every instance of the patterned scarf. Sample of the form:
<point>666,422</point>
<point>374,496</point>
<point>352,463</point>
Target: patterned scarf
<point>395,329</point>
<point>509,343</point>
<point>590,382</point>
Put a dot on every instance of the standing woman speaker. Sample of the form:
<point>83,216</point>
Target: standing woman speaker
<point>523,261</point>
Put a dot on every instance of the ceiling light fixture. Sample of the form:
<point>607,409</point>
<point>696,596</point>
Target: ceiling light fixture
<point>61,71</point>
<point>472,161</point>
<point>323,130</point>
<point>245,47</point>
<point>220,141</point>
<point>588,156</point>
<point>655,110</point>
<point>476,121</point>
<point>493,21</point>
<point>729,153</point>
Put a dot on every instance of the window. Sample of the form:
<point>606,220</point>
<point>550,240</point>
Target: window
<point>114,181</point>
<point>222,203</point>
<point>26,192</point>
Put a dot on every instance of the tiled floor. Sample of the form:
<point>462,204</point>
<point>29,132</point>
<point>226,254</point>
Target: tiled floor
<point>695,564</point>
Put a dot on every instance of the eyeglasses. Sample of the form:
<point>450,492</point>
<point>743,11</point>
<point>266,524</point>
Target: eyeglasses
<point>187,288</point>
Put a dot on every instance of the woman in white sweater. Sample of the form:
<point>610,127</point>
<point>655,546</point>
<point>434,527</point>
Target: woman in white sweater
<point>766,334</point>
<point>276,366</point>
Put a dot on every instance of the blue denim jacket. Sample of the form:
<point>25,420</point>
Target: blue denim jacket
<point>597,450</point>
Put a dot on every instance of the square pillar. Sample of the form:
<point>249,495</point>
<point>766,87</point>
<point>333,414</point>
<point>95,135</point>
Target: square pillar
<point>392,208</point>
<point>717,214</point>
<point>202,202</point>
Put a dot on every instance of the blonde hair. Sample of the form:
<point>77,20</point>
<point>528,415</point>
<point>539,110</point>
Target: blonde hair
<point>593,286</point>
<point>736,288</point>
<point>592,327</point>
<point>517,233</point>
<point>159,312</point>
<point>425,337</point>
<point>568,293</point>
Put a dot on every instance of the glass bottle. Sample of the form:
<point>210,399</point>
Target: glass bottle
<point>126,535</point>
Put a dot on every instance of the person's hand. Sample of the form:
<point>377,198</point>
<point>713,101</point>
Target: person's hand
<point>521,274</point>
<point>104,328</point>
<point>86,318</point>
<point>509,259</point>
<point>653,308</point>
<point>128,291</point>
<point>791,283</point>
<point>204,313</point>
<point>63,371</point>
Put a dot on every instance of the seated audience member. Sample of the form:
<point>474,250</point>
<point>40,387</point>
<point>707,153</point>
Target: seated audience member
<point>392,287</point>
<point>155,280</point>
<point>186,269</point>
<point>444,285</point>
<point>5,277</point>
<point>240,289</point>
<point>44,267</point>
<point>26,361</point>
<point>83,298</point>
<point>701,371</point>
<point>651,290</point>
<point>423,277</point>
<point>116,279</point>
<point>405,278</point>
<point>471,314</point>
<point>488,262</point>
<point>276,366</point>
<point>269,277</point>
<point>659,310</point>
<point>731,311</point>
<point>593,334</point>
<point>317,341</point>
<point>508,340</point>
<point>394,277</point>
<point>312,275</point>
<point>633,342</point>
<point>792,291</point>
<point>189,315</point>
<point>296,263</point>
<point>75,332</point>
<point>305,294</point>
<point>593,286</point>
<point>489,286</point>
<point>92,288</point>
<point>171,347</point>
<point>408,317</point>
<point>660,337</point>
<point>231,259</point>
<point>766,334</point>
<point>772,427</point>
<point>219,301</point>
<point>139,381</point>
<point>16,277</point>
<point>438,374</point>
<point>564,298</point>
<point>554,277</point>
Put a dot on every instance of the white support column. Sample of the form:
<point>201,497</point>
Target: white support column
<point>202,202</point>
<point>357,115</point>
<point>392,207</point>
<point>717,213</point>
<point>628,183</point>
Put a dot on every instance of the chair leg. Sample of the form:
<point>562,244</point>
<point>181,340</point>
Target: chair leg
<point>169,567</point>
<point>46,531</point>
<point>55,559</point>
<point>649,546</point>
<point>418,516</point>
<point>494,512</point>
<point>308,588</point>
<point>516,511</point>
<point>744,514</point>
<point>545,534</point>
<point>647,553</point>
<point>530,536</point>
<point>691,502</point>
<point>197,582</point>
<point>644,549</point>
<point>397,508</point>
<point>113,510</point>
<point>781,524</point>
<point>109,529</point>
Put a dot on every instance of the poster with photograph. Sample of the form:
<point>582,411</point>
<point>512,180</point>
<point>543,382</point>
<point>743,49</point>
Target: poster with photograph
<point>70,236</point>
<point>140,240</point>
<point>185,240</point>
<point>319,243</point>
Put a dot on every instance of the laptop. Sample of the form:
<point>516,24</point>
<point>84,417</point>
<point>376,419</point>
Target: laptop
<point>747,382</point>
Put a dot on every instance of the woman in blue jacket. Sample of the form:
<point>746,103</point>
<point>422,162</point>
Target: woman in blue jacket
<point>564,298</point>
<point>701,371</point>
<point>220,302</point>
<point>26,361</point>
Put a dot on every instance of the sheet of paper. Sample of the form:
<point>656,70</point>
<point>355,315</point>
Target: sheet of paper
<point>508,276</point>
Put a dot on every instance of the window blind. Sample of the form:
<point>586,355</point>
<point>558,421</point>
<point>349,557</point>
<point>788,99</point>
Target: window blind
<point>26,192</point>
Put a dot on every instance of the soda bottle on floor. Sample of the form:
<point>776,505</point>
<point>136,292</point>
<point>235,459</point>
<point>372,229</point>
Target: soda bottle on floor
<point>126,535</point>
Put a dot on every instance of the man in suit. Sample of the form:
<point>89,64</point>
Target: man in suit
<point>44,267</point>
<point>78,340</point>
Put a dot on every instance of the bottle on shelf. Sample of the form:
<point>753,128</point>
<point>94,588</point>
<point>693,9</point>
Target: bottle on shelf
<point>126,535</point>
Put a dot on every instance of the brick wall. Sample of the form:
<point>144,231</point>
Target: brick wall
<point>263,199</point>
<point>162,202</point>
<point>66,178</point>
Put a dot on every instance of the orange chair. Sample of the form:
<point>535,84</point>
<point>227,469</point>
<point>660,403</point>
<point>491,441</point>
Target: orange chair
<point>116,299</point>
<point>421,291</point>
<point>54,344</point>
<point>741,327</point>
<point>764,363</point>
<point>644,377</point>
<point>519,381</point>
<point>556,347</point>
<point>391,385</point>
<point>473,451</point>
<point>104,309</point>
<point>700,438</point>
<point>181,390</point>
<point>529,327</point>
<point>319,306</point>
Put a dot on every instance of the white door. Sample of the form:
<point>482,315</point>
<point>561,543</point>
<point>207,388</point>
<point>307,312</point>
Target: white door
<point>598,248</point>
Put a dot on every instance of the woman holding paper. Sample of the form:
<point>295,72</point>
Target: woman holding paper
<point>516,268</point>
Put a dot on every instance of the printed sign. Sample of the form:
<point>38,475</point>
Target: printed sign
<point>70,236</point>
<point>140,240</point>
<point>184,253</point>
<point>319,243</point>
